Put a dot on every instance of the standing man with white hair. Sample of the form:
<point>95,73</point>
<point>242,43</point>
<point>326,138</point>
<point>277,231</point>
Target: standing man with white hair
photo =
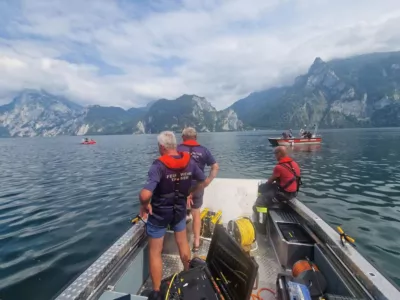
<point>203,157</point>
<point>170,180</point>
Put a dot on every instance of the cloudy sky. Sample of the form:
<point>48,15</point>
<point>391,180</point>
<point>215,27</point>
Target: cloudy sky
<point>128,52</point>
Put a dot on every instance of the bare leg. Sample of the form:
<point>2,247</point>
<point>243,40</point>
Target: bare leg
<point>183,246</point>
<point>155,249</point>
<point>196,226</point>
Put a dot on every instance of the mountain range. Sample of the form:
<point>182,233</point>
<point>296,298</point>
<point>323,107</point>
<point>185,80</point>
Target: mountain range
<point>359,91</point>
<point>38,113</point>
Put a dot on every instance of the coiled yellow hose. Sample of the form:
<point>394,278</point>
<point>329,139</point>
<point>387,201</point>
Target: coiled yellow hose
<point>246,231</point>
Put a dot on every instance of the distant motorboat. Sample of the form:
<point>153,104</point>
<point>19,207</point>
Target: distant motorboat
<point>306,138</point>
<point>294,141</point>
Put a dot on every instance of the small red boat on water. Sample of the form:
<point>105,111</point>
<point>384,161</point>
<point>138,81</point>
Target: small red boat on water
<point>88,142</point>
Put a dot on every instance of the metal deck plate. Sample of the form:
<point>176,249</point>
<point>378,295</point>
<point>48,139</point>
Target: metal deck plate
<point>265,257</point>
<point>172,264</point>
<point>268,266</point>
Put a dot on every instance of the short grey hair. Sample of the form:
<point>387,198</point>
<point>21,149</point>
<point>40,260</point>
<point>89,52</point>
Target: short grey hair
<point>189,132</point>
<point>167,139</point>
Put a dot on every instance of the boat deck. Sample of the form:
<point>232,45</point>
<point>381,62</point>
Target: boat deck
<point>123,270</point>
<point>264,255</point>
<point>172,263</point>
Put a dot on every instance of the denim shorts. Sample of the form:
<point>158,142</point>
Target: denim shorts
<point>157,232</point>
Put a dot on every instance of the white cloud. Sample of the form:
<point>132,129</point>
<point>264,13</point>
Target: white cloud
<point>123,53</point>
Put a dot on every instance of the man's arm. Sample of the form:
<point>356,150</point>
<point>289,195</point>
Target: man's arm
<point>214,166</point>
<point>145,196</point>
<point>153,178</point>
<point>275,175</point>
<point>272,179</point>
<point>213,172</point>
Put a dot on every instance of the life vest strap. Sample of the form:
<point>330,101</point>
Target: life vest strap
<point>169,195</point>
<point>294,178</point>
<point>176,185</point>
<point>191,152</point>
<point>176,191</point>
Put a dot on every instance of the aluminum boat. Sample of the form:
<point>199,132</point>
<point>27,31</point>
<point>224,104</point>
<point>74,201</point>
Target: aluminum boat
<point>294,141</point>
<point>122,271</point>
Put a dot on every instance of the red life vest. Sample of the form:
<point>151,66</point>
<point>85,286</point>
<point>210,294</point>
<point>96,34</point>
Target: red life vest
<point>190,144</point>
<point>173,163</point>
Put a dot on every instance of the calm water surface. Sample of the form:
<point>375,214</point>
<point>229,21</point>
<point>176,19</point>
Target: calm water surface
<point>62,204</point>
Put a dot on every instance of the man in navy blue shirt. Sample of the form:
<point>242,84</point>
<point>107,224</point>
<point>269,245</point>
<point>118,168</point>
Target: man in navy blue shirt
<point>202,156</point>
<point>164,199</point>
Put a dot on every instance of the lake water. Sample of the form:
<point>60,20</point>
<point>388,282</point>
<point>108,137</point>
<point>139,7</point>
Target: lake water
<point>62,204</point>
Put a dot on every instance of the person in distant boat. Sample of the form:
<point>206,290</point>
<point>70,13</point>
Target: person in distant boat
<point>203,157</point>
<point>290,133</point>
<point>284,135</point>
<point>168,187</point>
<point>86,140</point>
<point>284,183</point>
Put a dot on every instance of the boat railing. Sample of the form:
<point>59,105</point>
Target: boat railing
<point>363,271</point>
<point>89,281</point>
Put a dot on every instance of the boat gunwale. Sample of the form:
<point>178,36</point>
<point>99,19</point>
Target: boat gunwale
<point>111,279</point>
<point>377,284</point>
<point>90,280</point>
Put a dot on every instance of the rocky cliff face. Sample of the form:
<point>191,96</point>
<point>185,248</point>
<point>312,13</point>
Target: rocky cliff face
<point>37,113</point>
<point>34,113</point>
<point>359,91</point>
<point>109,120</point>
<point>189,110</point>
<point>227,120</point>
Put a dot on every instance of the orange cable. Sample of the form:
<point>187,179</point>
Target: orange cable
<point>264,289</point>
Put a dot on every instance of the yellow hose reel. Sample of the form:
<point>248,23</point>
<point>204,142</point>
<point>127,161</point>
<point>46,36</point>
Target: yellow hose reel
<point>243,231</point>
